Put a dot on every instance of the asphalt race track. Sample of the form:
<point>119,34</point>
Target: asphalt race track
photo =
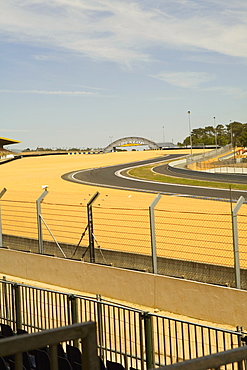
<point>167,170</point>
<point>116,177</point>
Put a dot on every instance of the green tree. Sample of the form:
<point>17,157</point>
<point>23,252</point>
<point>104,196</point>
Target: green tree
<point>222,135</point>
<point>235,131</point>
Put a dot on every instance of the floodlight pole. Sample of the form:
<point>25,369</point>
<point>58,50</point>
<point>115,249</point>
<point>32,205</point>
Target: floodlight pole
<point>152,233</point>
<point>39,220</point>
<point>190,134</point>
<point>235,241</point>
<point>231,133</point>
<point>1,230</point>
<point>215,135</point>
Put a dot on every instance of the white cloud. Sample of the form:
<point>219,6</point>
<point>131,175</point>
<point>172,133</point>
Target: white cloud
<point>12,130</point>
<point>126,31</point>
<point>185,79</point>
<point>47,92</point>
<point>197,80</point>
<point>235,92</point>
<point>47,57</point>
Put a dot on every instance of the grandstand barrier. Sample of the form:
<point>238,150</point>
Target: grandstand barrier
<point>125,335</point>
<point>222,305</point>
<point>235,358</point>
<point>23,344</point>
<point>178,268</point>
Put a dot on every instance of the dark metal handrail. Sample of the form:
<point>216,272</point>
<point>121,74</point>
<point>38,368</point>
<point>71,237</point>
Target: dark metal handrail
<point>236,355</point>
<point>86,332</point>
<point>124,334</point>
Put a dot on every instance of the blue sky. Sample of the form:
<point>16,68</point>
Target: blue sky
<point>81,73</point>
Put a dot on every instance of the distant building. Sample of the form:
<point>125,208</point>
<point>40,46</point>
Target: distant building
<point>4,141</point>
<point>167,146</point>
<point>4,153</point>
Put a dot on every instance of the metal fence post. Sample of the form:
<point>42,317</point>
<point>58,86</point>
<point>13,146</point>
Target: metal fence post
<point>39,219</point>
<point>1,230</point>
<point>100,324</point>
<point>17,306</point>
<point>6,312</point>
<point>90,227</point>
<point>142,345</point>
<point>235,241</point>
<point>73,314</point>
<point>152,233</point>
<point>240,329</point>
<point>148,340</point>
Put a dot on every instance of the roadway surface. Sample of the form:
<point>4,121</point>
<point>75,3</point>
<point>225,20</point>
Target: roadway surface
<point>235,178</point>
<point>116,177</point>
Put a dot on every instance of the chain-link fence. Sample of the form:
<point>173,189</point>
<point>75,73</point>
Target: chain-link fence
<point>231,166</point>
<point>19,218</point>
<point>191,238</point>
<point>122,229</point>
<point>233,162</point>
<point>204,237</point>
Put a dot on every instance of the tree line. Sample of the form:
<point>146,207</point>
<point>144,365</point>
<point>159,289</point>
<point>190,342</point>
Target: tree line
<point>235,133</point>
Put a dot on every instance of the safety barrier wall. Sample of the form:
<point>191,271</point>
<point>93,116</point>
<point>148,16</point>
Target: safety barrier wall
<point>199,242</point>
<point>132,337</point>
<point>223,173</point>
<point>208,155</point>
<point>233,166</point>
<point>210,302</point>
<point>206,273</point>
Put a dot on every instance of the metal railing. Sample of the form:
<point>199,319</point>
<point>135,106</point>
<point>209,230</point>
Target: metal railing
<point>231,359</point>
<point>125,335</point>
<point>27,342</point>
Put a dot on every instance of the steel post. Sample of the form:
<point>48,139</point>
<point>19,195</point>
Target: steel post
<point>5,299</point>
<point>240,329</point>
<point>142,340</point>
<point>17,305</point>
<point>90,226</point>
<point>1,230</point>
<point>148,340</point>
<point>153,233</point>
<point>72,300</point>
<point>235,241</point>
<point>39,220</point>
<point>100,325</point>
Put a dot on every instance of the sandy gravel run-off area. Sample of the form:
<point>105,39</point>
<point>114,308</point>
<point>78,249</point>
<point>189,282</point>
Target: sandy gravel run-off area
<point>184,221</point>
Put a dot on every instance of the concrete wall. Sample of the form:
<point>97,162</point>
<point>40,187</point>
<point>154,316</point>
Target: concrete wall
<point>217,304</point>
<point>203,272</point>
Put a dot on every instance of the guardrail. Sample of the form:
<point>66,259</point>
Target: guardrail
<point>235,357</point>
<point>125,335</point>
<point>27,342</point>
<point>208,155</point>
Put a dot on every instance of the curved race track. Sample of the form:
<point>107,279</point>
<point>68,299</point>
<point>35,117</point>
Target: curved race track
<point>116,177</point>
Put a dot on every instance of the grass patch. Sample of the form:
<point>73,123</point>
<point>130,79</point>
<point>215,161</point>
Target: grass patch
<point>145,173</point>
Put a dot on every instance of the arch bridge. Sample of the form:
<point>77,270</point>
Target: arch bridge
<point>130,141</point>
